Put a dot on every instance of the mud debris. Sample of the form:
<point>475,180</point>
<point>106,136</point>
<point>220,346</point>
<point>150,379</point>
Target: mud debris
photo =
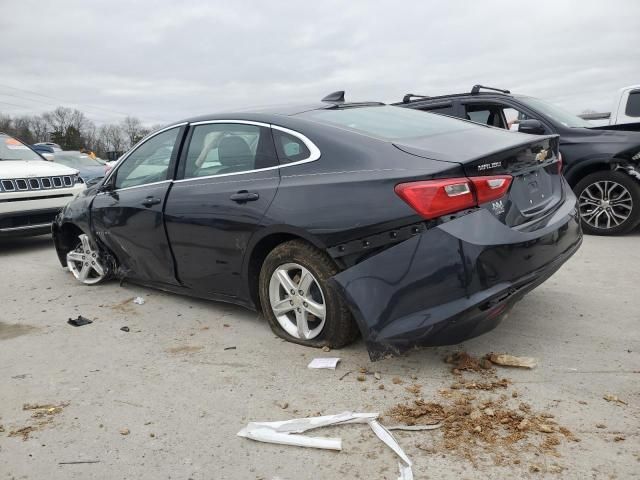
<point>613,398</point>
<point>414,389</point>
<point>462,361</point>
<point>487,386</point>
<point>506,360</point>
<point>42,416</point>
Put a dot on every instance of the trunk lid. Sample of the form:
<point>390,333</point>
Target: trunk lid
<point>532,161</point>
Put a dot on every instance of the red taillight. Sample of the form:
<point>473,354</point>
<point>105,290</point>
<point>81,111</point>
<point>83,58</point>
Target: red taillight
<point>490,188</point>
<point>434,198</point>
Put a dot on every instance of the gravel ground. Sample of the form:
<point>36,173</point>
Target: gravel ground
<point>180,396</point>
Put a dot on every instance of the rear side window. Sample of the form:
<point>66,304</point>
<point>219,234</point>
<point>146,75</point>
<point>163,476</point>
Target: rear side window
<point>387,122</point>
<point>290,149</point>
<point>442,109</point>
<point>224,148</point>
<point>633,104</point>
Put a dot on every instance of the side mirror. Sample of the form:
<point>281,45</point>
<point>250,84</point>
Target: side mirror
<point>533,127</point>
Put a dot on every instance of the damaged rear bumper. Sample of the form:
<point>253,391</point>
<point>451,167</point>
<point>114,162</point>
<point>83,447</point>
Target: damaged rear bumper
<point>454,281</point>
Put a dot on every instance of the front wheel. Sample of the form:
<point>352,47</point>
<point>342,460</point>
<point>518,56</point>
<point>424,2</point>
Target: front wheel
<point>86,263</point>
<point>297,300</point>
<point>609,203</point>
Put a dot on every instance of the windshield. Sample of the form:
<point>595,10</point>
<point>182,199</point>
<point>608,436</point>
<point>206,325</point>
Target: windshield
<point>387,122</point>
<point>12,149</point>
<point>75,160</point>
<point>555,113</point>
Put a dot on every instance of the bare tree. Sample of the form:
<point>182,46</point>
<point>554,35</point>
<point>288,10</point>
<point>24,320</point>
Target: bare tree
<point>133,130</point>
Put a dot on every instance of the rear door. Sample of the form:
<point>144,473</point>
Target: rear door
<point>228,176</point>
<point>127,215</point>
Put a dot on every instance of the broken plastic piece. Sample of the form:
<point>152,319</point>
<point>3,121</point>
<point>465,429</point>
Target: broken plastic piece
<point>329,363</point>
<point>512,361</point>
<point>138,301</point>
<point>80,321</point>
<point>405,472</point>
<point>125,329</point>
<point>284,432</point>
<point>386,436</point>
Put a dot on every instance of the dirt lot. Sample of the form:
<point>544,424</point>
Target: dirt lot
<point>166,399</point>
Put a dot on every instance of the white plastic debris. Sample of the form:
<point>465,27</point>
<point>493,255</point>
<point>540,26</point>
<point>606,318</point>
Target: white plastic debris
<point>405,472</point>
<point>287,432</point>
<point>324,362</point>
<point>284,432</point>
<point>138,301</point>
<point>386,436</point>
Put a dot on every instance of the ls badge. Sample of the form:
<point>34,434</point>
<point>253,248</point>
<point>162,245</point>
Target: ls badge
<point>497,207</point>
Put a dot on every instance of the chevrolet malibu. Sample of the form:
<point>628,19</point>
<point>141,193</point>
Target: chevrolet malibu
<point>334,220</point>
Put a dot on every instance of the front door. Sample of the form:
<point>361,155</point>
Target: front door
<point>127,215</point>
<point>229,178</point>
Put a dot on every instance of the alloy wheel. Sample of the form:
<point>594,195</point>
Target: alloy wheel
<point>605,204</point>
<point>297,301</point>
<point>84,262</point>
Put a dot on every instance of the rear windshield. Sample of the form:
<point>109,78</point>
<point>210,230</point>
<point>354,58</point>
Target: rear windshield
<point>12,149</point>
<point>387,122</point>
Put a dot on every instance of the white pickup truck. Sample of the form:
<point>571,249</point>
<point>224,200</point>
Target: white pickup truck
<point>32,190</point>
<point>624,112</point>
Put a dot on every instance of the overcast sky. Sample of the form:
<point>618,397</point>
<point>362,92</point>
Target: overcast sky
<point>166,60</point>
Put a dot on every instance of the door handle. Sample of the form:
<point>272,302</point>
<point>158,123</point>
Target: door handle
<point>244,196</point>
<point>150,201</point>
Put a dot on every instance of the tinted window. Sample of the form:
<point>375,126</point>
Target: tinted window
<point>485,114</point>
<point>445,109</point>
<point>220,148</point>
<point>387,122</point>
<point>633,104</point>
<point>290,148</point>
<point>12,149</point>
<point>149,162</point>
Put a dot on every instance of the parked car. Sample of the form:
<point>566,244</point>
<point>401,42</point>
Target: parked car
<point>45,151</point>
<point>602,164</point>
<point>332,219</point>
<point>54,146</point>
<point>32,190</point>
<point>625,111</point>
<point>88,168</point>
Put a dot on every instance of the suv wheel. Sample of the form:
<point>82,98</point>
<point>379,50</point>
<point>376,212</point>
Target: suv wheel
<point>609,203</point>
<point>297,300</point>
<point>86,263</point>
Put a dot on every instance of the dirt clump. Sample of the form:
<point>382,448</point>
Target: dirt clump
<point>464,362</point>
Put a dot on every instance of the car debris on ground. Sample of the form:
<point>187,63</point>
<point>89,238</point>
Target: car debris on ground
<point>138,301</point>
<point>41,416</point>
<point>613,398</point>
<point>125,329</point>
<point>507,360</point>
<point>287,433</point>
<point>80,321</point>
<point>324,362</point>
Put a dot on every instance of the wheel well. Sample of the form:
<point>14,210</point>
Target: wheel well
<point>588,170</point>
<point>258,255</point>
<point>65,240</point>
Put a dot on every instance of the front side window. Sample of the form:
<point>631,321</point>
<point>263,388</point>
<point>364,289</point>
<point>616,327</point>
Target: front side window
<point>149,162</point>
<point>223,148</point>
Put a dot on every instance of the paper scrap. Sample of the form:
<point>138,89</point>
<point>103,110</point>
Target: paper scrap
<point>324,362</point>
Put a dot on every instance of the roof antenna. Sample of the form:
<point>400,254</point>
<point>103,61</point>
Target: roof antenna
<point>335,97</point>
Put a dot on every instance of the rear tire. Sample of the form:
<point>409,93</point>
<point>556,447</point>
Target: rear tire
<point>608,202</point>
<point>294,277</point>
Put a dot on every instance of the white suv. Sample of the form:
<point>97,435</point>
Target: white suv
<point>32,190</point>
